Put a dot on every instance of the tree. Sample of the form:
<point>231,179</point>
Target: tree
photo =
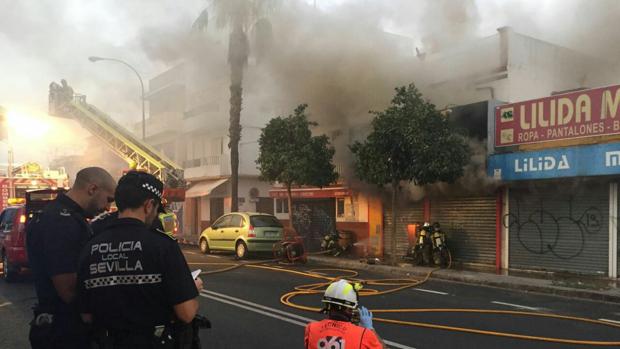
<point>240,16</point>
<point>289,154</point>
<point>410,141</point>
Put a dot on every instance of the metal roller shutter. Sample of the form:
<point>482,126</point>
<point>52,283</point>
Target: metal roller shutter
<point>560,227</point>
<point>470,226</point>
<point>405,215</point>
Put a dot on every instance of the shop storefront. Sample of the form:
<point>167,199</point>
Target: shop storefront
<point>558,158</point>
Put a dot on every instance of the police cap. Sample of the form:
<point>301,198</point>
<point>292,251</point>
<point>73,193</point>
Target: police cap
<point>144,181</point>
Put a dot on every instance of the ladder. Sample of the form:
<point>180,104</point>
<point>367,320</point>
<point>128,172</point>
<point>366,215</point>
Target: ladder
<point>66,104</point>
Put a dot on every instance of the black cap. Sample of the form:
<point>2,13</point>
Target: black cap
<point>145,181</point>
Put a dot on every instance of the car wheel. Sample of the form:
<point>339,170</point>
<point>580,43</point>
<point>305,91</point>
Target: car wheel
<point>204,246</point>
<point>241,250</point>
<point>8,274</point>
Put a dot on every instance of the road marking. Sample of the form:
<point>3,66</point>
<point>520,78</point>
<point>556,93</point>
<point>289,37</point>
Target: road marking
<point>260,306</point>
<point>612,321</point>
<point>190,252</point>
<point>254,310</point>
<point>430,291</point>
<point>516,306</point>
<point>268,311</point>
<point>5,304</point>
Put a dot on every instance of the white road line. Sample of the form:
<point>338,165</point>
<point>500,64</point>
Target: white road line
<point>251,306</point>
<point>612,321</point>
<point>430,291</point>
<point>190,252</point>
<point>516,306</point>
<point>260,306</point>
<point>5,304</point>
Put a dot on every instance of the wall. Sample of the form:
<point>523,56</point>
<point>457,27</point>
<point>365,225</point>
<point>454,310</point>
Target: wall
<point>245,184</point>
<point>537,68</point>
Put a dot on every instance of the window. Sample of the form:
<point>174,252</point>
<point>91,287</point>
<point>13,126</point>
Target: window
<point>222,222</point>
<point>281,205</point>
<point>265,221</point>
<point>340,207</point>
<point>236,221</point>
<point>7,220</point>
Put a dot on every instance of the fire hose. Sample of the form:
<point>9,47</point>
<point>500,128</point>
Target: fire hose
<point>400,284</point>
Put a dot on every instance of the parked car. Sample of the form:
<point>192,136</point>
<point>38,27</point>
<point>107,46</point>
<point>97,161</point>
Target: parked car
<point>13,221</point>
<point>242,232</point>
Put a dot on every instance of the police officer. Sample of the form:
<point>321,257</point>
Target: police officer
<point>341,300</point>
<point>134,282</point>
<point>54,241</point>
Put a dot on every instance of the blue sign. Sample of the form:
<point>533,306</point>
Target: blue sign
<point>591,160</point>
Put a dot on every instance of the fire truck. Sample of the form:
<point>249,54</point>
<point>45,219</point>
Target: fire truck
<point>15,182</point>
<point>139,155</point>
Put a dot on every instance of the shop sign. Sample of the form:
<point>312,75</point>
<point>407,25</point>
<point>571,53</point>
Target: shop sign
<point>311,193</point>
<point>581,114</point>
<point>592,160</point>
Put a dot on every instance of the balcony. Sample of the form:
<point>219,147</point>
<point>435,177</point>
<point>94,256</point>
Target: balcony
<point>209,166</point>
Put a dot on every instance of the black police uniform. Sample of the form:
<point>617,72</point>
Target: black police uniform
<point>103,220</point>
<point>54,241</point>
<point>99,223</point>
<point>130,277</point>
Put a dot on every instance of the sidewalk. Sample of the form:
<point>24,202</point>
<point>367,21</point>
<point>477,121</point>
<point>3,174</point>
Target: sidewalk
<point>576,286</point>
<point>569,286</point>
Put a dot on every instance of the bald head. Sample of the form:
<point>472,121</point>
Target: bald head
<point>93,175</point>
<point>93,190</point>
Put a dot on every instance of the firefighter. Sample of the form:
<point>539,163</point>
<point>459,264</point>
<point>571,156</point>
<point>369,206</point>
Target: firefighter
<point>341,302</point>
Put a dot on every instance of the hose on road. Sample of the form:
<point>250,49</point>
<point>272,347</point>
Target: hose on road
<point>400,284</point>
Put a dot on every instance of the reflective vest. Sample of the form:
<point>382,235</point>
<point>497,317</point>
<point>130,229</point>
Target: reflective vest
<point>168,222</point>
<point>339,335</point>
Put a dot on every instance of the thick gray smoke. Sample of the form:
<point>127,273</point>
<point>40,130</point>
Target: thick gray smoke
<point>339,58</point>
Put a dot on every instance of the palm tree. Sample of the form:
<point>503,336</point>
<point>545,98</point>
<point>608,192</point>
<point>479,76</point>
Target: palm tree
<point>240,16</point>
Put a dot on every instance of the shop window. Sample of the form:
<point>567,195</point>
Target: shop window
<point>281,205</point>
<point>340,207</point>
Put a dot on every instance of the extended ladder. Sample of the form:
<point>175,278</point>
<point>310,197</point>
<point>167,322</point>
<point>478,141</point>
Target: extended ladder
<point>64,103</point>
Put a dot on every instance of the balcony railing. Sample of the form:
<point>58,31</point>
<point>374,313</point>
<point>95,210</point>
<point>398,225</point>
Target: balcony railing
<point>208,166</point>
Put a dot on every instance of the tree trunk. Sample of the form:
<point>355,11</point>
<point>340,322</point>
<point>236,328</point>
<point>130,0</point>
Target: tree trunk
<point>393,232</point>
<point>290,206</point>
<point>237,58</point>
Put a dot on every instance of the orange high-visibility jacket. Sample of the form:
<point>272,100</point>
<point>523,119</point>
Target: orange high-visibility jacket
<point>339,335</point>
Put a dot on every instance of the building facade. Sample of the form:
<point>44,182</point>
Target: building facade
<point>524,222</point>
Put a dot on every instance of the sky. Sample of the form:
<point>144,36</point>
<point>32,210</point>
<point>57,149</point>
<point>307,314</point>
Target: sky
<point>46,40</point>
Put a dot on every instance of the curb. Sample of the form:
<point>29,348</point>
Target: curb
<point>500,281</point>
<point>184,241</point>
<point>505,282</point>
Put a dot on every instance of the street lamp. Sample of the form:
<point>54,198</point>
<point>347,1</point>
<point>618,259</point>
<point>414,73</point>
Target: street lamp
<point>96,59</point>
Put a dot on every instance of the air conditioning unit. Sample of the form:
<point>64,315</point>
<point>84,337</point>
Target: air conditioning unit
<point>253,194</point>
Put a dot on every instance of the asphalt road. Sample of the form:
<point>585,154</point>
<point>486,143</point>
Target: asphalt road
<point>244,306</point>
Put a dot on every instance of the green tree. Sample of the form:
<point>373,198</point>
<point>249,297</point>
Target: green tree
<point>240,16</point>
<point>412,142</point>
<point>289,154</point>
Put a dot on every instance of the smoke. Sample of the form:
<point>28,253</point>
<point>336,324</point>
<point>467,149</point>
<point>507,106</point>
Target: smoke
<point>343,59</point>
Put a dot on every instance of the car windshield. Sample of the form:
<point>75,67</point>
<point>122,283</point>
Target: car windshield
<point>265,221</point>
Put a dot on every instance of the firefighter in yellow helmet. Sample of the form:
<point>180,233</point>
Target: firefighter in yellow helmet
<point>338,331</point>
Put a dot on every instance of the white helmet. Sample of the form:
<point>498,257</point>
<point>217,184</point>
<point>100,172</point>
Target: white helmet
<point>341,293</point>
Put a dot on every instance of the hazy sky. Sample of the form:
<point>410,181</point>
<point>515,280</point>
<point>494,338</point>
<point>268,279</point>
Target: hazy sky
<point>47,40</point>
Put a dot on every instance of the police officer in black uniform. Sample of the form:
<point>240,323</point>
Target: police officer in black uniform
<point>54,241</point>
<point>134,282</point>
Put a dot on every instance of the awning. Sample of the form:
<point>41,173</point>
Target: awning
<point>311,193</point>
<point>203,188</point>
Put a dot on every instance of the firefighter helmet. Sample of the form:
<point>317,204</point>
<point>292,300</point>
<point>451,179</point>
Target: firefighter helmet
<point>426,224</point>
<point>341,293</point>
